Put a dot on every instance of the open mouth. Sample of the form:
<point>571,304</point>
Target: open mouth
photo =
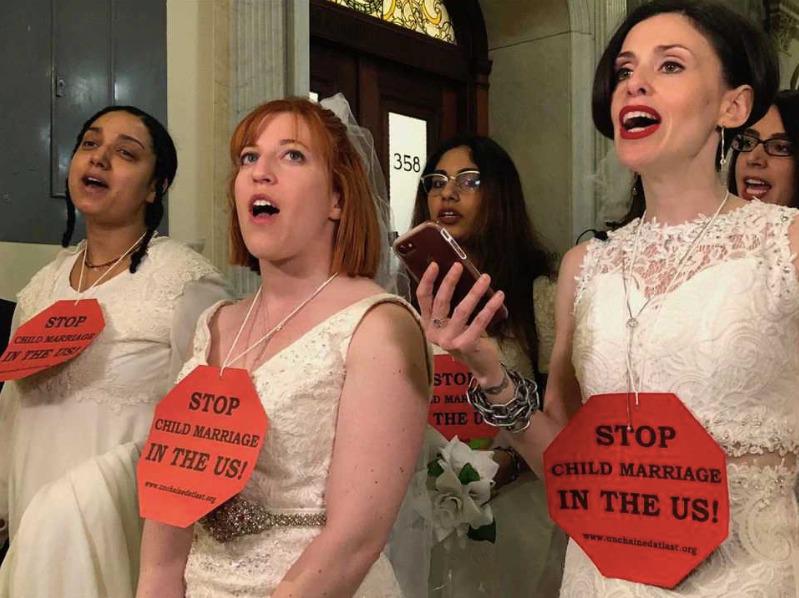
<point>94,182</point>
<point>755,188</point>
<point>448,216</point>
<point>638,121</point>
<point>262,208</point>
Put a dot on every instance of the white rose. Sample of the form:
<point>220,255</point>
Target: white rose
<point>456,506</point>
<point>458,454</point>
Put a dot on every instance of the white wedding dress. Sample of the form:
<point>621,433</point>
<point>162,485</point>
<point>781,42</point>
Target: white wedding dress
<point>725,340</point>
<point>54,423</point>
<point>300,389</point>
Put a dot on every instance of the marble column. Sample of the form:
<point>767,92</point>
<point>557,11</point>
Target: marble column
<point>267,58</point>
<point>782,22</point>
<point>598,183</point>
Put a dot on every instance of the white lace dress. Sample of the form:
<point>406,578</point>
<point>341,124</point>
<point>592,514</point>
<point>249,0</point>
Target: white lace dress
<point>300,388</point>
<point>726,342</point>
<point>53,421</point>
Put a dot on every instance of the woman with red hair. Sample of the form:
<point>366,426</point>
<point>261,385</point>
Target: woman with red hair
<point>344,379</point>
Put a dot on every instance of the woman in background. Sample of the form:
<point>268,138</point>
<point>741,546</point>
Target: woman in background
<point>471,187</point>
<point>764,155</point>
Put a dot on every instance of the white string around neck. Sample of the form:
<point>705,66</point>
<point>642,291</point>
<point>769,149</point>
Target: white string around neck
<point>107,272</point>
<point>632,321</point>
<point>227,362</point>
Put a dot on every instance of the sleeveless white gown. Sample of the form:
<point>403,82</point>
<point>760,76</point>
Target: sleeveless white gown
<point>300,389</point>
<point>725,340</point>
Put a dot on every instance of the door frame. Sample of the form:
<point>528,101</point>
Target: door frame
<point>466,63</point>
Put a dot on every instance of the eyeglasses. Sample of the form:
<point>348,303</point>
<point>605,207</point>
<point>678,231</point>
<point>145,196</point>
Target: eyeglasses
<point>743,142</point>
<point>467,181</point>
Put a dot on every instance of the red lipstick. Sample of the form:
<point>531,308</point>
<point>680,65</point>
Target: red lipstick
<point>638,121</point>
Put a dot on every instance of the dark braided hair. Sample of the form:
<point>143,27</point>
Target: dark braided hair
<point>166,165</point>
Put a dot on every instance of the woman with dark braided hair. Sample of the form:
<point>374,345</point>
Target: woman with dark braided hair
<point>151,290</point>
<point>164,169</point>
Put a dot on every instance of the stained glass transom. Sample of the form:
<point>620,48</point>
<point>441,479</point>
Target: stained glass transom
<point>429,17</point>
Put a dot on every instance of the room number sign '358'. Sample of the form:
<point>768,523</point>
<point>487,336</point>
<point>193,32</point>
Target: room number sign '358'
<point>406,162</point>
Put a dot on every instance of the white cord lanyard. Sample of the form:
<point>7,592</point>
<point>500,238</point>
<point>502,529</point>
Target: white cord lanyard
<point>107,272</point>
<point>632,321</point>
<point>228,361</point>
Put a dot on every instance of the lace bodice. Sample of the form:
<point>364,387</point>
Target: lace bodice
<point>724,339</point>
<point>54,420</point>
<point>140,312</point>
<point>300,388</point>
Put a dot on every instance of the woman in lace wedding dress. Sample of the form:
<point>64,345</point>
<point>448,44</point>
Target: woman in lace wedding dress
<point>716,298</point>
<point>151,297</point>
<point>345,382</point>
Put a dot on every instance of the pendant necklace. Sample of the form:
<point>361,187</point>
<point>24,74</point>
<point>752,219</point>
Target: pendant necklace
<point>632,322</point>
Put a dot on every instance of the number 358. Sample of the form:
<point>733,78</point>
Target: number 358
<point>406,162</point>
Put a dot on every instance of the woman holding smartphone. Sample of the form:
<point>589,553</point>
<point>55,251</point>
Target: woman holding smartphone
<point>470,187</point>
<point>677,80</point>
<point>151,290</point>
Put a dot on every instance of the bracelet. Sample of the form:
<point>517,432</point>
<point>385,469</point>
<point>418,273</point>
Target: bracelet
<point>498,388</point>
<point>514,415</point>
<point>515,462</point>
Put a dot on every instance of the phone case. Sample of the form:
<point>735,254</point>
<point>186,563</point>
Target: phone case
<point>431,242</point>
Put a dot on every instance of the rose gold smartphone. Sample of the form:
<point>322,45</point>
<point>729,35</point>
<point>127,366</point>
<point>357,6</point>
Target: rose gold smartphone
<point>431,242</point>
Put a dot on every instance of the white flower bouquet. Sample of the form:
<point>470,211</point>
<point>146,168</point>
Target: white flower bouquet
<point>460,481</point>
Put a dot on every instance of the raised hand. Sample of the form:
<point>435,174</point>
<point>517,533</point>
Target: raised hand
<point>464,340</point>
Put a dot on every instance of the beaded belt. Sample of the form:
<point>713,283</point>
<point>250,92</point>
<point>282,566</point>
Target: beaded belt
<point>240,517</point>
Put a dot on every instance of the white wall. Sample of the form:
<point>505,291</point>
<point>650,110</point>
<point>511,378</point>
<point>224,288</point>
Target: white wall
<point>190,68</point>
<point>20,261</point>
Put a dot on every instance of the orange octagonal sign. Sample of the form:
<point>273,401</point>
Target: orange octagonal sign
<point>51,337</point>
<point>642,491</point>
<point>204,441</point>
<point>450,412</point>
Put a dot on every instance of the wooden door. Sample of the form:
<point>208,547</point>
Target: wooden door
<point>410,90</point>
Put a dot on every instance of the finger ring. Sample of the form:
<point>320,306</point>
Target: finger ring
<point>439,323</point>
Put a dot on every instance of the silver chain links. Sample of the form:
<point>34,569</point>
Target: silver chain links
<point>514,415</point>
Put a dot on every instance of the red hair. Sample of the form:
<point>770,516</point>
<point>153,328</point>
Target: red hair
<point>356,248</point>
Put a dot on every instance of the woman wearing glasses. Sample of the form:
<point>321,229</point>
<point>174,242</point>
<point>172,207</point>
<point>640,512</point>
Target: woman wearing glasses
<point>472,188</point>
<point>764,155</point>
